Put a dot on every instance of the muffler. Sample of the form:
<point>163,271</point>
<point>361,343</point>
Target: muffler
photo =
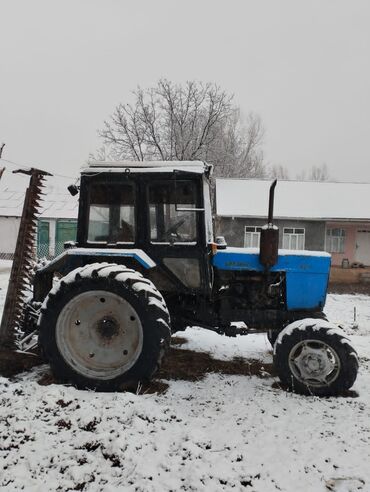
<point>269,241</point>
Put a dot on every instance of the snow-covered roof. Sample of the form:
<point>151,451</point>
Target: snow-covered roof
<point>57,202</point>
<point>146,166</point>
<point>293,199</point>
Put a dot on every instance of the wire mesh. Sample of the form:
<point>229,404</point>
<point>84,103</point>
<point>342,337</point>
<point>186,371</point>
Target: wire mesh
<point>41,251</point>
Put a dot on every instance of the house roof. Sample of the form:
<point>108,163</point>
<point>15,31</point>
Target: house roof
<point>57,202</point>
<point>293,199</point>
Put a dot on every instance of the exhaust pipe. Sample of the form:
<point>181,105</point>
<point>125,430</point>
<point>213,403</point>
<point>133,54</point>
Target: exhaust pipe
<point>269,242</point>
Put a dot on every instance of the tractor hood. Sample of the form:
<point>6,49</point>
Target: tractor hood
<point>307,272</point>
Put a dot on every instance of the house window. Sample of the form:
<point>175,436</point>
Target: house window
<point>335,240</point>
<point>252,236</point>
<point>293,238</point>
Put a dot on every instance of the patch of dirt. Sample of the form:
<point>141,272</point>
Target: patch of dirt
<point>178,341</point>
<point>188,365</point>
<point>152,387</point>
<point>192,366</point>
<point>91,426</point>
<point>64,424</point>
<point>46,379</point>
<point>344,394</point>
<point>349,288</point>
<point>12,363</point>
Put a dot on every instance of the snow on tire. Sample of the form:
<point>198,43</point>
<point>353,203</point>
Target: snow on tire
<point>104,326</point>
<point>314,356</point>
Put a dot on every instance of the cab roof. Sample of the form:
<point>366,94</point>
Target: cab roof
<point>198,167</point>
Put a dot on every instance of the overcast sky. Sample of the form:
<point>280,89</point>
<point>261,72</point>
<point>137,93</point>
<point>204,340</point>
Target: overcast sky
<point>304,66</point>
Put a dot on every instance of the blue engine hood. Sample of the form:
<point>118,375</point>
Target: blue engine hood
<point>307,272</point>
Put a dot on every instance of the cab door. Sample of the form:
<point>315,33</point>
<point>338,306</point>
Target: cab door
<point>176,236</point>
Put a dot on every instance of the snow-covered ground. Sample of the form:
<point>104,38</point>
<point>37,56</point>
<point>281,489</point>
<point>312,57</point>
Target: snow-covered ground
<point>218,433</point>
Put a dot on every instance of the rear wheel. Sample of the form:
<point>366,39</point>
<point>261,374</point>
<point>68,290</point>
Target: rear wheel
<point>314,357</point>
<point>104,327</point>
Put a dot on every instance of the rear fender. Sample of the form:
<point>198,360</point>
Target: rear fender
<point>78,257</point>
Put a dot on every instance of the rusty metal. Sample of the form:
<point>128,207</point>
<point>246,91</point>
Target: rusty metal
<point>271,202</point>
<point>269,246</point>
<point>21,271</point>
<point>269,240</point>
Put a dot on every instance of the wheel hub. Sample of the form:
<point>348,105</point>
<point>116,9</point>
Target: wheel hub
<point>107,328</point>
<point>314,362</point>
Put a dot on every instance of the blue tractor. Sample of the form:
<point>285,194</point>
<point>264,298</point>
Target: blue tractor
<point>145,264</point>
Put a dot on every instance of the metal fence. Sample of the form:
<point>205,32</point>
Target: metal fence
<point>41,251</point>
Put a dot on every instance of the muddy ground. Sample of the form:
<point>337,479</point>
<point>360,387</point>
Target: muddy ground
<point>179,364</point>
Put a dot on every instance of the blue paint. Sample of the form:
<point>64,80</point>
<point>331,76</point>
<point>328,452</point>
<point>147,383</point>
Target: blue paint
<point>136,255</point>
<point>306,276</point>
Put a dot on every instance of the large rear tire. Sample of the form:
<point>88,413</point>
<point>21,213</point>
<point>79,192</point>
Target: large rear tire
<point>104,327</point>
<point>314,357</point>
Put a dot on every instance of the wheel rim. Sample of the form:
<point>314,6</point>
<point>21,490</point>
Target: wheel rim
<point>99,334</point>
<point>314,363</point>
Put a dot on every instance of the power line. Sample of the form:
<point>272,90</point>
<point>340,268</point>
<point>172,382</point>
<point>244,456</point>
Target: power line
<point>16,164</point>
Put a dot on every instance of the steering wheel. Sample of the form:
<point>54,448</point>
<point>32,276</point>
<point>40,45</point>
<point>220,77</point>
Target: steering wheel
<point>175,227</point>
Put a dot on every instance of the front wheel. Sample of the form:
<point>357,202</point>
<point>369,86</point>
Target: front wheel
<point>314,357</point>
<point>105,327</point>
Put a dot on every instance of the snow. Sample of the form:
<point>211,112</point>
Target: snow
<point>5,265</point>
<point>282,252</point>
<point>225,348</point>
<point>138,254</point>
<point>219,433</point>
<point>314,323</point>
<point>56,201</point>
<point>198,167</point>
<point>293,199</point>
<point>270,226</point>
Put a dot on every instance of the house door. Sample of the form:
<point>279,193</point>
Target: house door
<point>363,247</point>
<point>65,231</point>
<point>43,239</point>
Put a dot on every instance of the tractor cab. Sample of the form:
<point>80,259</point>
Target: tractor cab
<point>160,208</point>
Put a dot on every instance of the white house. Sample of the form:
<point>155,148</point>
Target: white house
<point>57,222</point>
<point>310,215</point>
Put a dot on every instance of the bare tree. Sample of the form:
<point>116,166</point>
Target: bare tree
<point>319,173</point>
<point>279,171</point>
<point>237,152</point>
<point>185,122</point>
<point>316,173</point>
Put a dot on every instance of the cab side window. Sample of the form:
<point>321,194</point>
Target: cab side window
<point>171,217</point>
